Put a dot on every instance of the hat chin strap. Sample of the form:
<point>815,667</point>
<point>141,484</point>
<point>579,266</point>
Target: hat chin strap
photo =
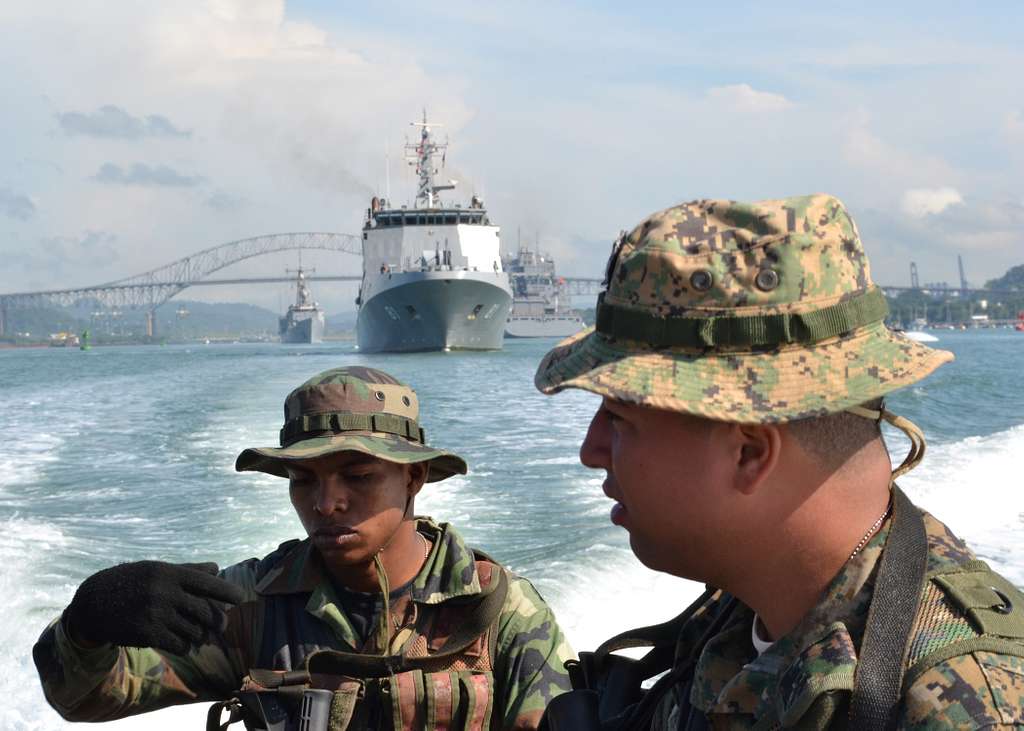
<point>384,637</point>
<point>905,425</point>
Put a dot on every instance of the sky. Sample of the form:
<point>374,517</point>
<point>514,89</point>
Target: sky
<point>137,133</point>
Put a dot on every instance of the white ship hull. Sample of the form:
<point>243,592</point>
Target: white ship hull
<point>551,326</point>
<point>434,310</point>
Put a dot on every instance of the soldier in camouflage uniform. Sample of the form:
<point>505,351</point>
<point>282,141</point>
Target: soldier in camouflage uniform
<point>741,354</point>
<point>395,618</point>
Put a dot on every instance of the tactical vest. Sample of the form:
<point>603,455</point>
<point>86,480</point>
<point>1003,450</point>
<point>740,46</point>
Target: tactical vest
<point>438,677</point>
<point>963,608</point>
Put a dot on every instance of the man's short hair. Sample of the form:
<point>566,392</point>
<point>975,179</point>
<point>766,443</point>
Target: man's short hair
<point>833,439</point>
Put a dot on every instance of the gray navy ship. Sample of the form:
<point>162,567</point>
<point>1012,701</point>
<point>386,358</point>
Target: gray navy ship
<point>304,322</point>
<point>432,274</point>
<point>540,300</point>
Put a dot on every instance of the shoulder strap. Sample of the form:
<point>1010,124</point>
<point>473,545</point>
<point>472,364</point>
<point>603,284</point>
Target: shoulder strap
<point>588,672</point>
<point>878,683</point>
<point>967,609</point>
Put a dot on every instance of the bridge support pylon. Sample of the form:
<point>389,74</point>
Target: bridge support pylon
<point>3,318</point>
<point>151,324</point>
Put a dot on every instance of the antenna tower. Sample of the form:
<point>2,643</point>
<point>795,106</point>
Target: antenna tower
<point>421,156</point>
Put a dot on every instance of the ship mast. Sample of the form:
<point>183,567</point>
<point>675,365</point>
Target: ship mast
<point>303,297</point>
<point>421,156</point>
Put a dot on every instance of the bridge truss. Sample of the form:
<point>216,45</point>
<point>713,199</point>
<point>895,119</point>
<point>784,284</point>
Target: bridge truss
<point>151,289</point>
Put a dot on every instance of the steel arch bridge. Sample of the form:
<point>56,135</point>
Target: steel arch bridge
<point>151,289</point>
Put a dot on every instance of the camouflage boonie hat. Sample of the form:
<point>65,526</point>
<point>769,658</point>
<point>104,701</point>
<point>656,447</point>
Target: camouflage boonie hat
<point>352,409</point>
<point>742,312</point>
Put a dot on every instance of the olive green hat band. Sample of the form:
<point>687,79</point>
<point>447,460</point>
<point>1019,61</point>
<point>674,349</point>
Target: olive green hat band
<point>905,425</point>
<point>308,425</point>
<point>750,331</point>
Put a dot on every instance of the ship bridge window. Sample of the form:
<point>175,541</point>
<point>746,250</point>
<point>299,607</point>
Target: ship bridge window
<point>449,218</point>
<point>421,220</point>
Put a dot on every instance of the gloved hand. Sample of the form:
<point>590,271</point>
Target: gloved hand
<point>171,607</point>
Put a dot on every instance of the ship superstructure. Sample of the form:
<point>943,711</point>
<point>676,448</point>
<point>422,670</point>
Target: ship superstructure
<point>540,300</point>
<point>432,274</point>
<point>304,322</point>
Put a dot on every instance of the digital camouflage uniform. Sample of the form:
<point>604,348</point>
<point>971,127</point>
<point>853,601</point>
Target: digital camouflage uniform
<point>805,678</point>
<point>292,610</point>
<point>765,312</point>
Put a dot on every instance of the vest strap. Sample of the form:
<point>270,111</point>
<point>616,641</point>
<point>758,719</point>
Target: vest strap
<point>878,683</point>
<point>478,620</point>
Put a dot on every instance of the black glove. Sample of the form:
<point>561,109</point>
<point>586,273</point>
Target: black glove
<point>171,607</point>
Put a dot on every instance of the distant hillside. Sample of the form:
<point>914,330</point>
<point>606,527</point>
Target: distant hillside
<point>186,320</point>
<point>1013,279</point>
<point>340,322</point>
<point>177,320</point>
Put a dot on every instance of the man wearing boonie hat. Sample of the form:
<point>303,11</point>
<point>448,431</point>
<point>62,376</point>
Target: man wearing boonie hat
<point>742,358</point>
<point>377,620</point>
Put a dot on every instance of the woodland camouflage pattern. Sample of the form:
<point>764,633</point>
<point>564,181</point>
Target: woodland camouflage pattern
<point>326,399</point>
<point>719,260</point>
<point>804,679</point>
<point>112,682</point>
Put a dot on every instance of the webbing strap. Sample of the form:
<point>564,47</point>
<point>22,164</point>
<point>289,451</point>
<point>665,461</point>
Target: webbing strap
<point>878,683</point>
<point>481,616</point>
<point>860,310</point>
<point>339,422</point>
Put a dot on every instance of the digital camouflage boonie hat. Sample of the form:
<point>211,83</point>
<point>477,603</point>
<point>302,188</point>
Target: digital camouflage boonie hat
<point>742,312</point>
<point>357,409</point>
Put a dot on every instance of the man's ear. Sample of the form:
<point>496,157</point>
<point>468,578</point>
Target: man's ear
<point>759,448</point>
<point>417,477</point>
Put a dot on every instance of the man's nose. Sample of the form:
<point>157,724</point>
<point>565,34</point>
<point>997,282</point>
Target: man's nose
<point>594,450</point>
<point>331,496</point>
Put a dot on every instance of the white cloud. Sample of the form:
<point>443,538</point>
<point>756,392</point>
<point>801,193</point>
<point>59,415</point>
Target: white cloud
<point>921,202</point>
<point>143,174</point>
<point>745,97</point>
<point>16,205</point>
<point>1013,125</point>
<point>110,121</point>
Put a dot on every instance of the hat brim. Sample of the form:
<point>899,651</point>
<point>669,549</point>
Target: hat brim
<point>386,446</point>
<point>783,384</point>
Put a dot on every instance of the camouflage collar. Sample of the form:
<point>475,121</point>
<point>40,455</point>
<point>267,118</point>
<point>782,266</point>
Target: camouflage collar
<point>818,656</point>
<point>450,569</point>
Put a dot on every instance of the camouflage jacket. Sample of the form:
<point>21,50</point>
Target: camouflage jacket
<point>804,679</point>
<point>292,611</point>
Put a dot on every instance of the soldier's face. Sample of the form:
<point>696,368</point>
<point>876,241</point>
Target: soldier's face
<point>665,472</point>
<point>350,503</point>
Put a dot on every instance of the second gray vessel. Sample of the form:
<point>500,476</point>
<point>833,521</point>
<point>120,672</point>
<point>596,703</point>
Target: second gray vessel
<point>540,304</point>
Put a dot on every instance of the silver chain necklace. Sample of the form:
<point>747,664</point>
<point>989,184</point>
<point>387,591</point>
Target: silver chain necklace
<point>872,530</point>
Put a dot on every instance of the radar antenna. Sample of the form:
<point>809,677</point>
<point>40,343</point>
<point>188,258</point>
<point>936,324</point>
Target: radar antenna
<point>421,156</point>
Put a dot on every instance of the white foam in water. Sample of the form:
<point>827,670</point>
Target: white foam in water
<point>973,485</point>
<point>26,455</point>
